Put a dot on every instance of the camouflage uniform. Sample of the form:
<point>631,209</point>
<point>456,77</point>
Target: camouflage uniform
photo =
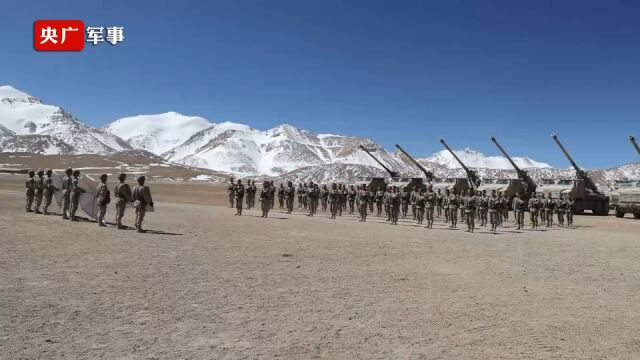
<point>230,192</point>
<point>482,209</point>
<point>122,193</point>
<point>420,203</point>
<point>30,192</point>
<point>412,199</point>
<point>334,201</point>
<point>561,205</point>
<point>76,191</point>
<point>299,192</point>
<point>364,198</point>
<point>379,196</point>
<point>493,206</point>
<point>251,195</point>
<point>265,199</point>
<point>141,198</point>
<point>324,195</point>
<point>281,196</point>
<point>569,210</point>
<point>534,209</point>
<point>519,207</point>
<point>430,202</point>
<point>49,189</point>
<point>394,204</point>
<point>439,203</point>
<point>469,203</point>
<point>454,201</point>
<point>445,206</point>
<point>549,205</point>
<point>405,199</point>
<point>239,194</point>
<point>67,185</point>
<point>289,193</point>
<point>39,192</point>
<point>351,198</point>
<point>102,199</point>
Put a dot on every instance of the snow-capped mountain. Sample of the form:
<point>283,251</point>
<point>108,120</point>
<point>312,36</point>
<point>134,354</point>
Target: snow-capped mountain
<point>157,133</point>
<point>25,115</point>
<point>474,159</point>
<point>243,150</point>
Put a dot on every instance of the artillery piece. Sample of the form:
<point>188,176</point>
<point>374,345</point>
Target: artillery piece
<point>472,176</point>
<point>583,191</point>
<point>626,196</point>
<point>396,178</point>
<point>524,183</point>
<point>634,143</point>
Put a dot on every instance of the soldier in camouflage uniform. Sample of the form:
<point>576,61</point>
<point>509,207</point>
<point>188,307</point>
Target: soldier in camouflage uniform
<point>439,203</point>
<point>394,205</point>
<point>420,204</point>
<point>49,189</point>
<point>304,196</point>
<point>363,199</point>
<point>430,200</point>
<point>519,207</point>
<point>493,207</point>
<point>67,183</point>
<point>123,195</point>
<point>412,199</point>
<point>561,205</point>
<point>281,196</point>
<point>385,202</point>
<point>378,199</point>
<point>454,202</point>
<point>549,205</point>
<point>342,198</point>
<point>31,190</point>
<point>482,200</point>
<point>250,192</point>
<point>299,193</point>
<point>141,199</point>
<point>40,185</point>
<point>351,198</point>
<point>265,195</point>
<point>324,195</point>
<point>76,191</point>
<point>505,207</point>
<point>469,203</point>
<point>569,209</point>
<point>405,198</point>
<point>445,205</point>
<point>334,198</point>
<point>238,191</point>
<point>230,192</point>
<point>462,206</point>
<point>314,195</point>
<point>290,194</point>
<point>534,209</point>
<point>102,199</point>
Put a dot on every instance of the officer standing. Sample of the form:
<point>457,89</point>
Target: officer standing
<point>31,190</point>
<point>49,189</point>
<point>102,199</point>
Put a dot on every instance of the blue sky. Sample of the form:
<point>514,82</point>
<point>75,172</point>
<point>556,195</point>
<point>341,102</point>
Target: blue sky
<point>405,72</point>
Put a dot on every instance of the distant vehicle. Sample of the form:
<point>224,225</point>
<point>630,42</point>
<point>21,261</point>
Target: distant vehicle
<point>395,178</point>
<point>459,185</point>
<point>626,196</point>
<point>582,190</point>
<point>524,183</point>
<point>474,180</point>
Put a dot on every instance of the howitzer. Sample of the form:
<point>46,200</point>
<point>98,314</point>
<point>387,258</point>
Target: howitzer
<point>523,175</point>
<point>391,172</point>
<point>580,174</point>
<point>428,174</point>
<point>474,179</point>
<point>635,144</point>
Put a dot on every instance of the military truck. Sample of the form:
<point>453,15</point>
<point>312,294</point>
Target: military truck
<point>395,178</point>
<point>626,196</point>
<point>473,179</point>
<point>582,190</point>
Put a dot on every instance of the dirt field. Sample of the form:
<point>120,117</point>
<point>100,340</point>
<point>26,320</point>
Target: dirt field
<point>205,284</point>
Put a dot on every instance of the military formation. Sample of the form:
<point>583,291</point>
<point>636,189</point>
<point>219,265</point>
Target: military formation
<point>472,208</point>
<point>40,190</point>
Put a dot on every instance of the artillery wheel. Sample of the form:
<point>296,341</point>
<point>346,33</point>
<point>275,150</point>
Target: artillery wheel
<point>636,216</point>
<point>619,214</point>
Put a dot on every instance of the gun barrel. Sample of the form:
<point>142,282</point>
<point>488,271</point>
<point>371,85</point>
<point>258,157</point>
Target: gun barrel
<point>391,172</point>
<point>635,144</point>
<point>473,178</point>
<point>505,154</point>
<point>566,153</point>
<point>426,172</point>
<point>454,155</point>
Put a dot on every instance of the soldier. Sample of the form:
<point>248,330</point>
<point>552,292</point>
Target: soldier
<point>67,183</point>
<point>289,194</point>
<point>482,206</point>
<point>351,198</point>
<point>324,196</point>
<point>394,202</point>
<point>519,207</point>
<point>445,205</point>
<point>39,190</point>
<point>103,198</point>
<point>379,196</point>
<point>238,191</point>
<point>430,200</point>
<point>230,192</point>
<point>505,207</point>
<point>342,198</point>
<point>334,198</point>
<point>534,209</point>
<point>493,207</point>
<point>311,198</point>
<point>542,215</point>
<point>454,201</point>
<point>76,191</point>
<point>363,199</point>
<point>549,205</point>
<point>372,200</point>
<point>500,209</point>
<point>412,199</point>
<point>304,196</point>
<point>122,193</point>
<point>569,209</point>
<point>281,196</point>
<point>31,190</point>
<point>420,204</point>
<point>561,205</point>
<point>469,203</point>
<point>299,192</point>
<point>386,203</point>
<point>141,198</point>
<point>49,189</point>
<point>405,198</point>
<point>462,206</point>
<point>251,194</point>
<point>272,195</point>
<point>439,203</point>
<point>264,199</point>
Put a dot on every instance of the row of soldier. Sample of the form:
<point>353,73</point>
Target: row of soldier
<point>41,189</point>
<point>470,206</point>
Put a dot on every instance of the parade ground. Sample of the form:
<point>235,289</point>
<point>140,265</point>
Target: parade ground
<point>202,283</point>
